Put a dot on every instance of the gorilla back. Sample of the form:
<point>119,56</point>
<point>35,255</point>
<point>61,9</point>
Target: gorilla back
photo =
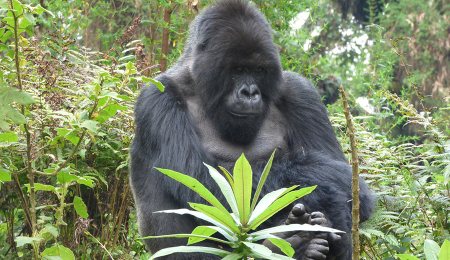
<point>228,95</point>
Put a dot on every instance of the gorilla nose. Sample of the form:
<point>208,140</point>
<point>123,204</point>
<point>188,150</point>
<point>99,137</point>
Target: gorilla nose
<point>249,92</point>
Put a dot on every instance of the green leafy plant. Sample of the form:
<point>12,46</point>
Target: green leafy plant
<point>432,251</point>
<point>247,214</point>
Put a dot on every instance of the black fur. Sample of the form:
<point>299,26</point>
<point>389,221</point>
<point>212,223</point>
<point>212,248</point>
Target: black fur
<point>226,37</point>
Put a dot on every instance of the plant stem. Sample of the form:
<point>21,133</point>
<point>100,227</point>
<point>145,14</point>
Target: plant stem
<point>355,176</point>
<point>29,168</point>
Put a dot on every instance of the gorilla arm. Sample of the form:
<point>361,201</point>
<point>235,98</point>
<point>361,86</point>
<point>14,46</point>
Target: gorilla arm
<point>164,138</point>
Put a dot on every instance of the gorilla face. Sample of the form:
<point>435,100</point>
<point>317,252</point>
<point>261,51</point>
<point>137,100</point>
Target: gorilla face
<point>237,72</point>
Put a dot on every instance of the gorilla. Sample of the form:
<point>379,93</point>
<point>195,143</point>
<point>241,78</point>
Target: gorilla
<point>226,95</point>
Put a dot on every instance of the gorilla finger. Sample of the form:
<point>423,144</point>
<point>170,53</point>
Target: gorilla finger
<point>295,241</point>
<point>321,235</point>
<point>319,221</point>
<point>319,242</point>
<point>317,214</point>
<point>333,237</point>
<point>314,254</point>
<point>298,209</point>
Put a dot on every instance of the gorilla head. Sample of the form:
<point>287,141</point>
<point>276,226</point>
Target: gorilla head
<point>236,68</point>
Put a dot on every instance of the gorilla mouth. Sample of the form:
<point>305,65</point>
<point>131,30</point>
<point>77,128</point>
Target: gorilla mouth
<point>242,115</point>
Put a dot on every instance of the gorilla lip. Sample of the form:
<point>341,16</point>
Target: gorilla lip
<point>242,114</point>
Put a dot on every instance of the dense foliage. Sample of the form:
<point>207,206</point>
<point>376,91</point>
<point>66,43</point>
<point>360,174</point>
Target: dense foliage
<point>70,72</point>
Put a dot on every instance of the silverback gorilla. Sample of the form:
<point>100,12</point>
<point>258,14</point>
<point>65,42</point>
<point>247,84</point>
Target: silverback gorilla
<point>228,95</point>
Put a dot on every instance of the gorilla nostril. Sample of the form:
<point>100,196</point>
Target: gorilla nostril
<point>249,91</point>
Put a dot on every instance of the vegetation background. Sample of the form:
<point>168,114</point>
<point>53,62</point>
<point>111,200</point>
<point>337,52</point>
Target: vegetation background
<point>71,70</point>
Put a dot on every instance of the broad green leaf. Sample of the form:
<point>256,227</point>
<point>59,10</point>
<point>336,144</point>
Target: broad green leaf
<point>262,180</point>
<point>42,187</point>
<point>8,137</point>
<point>266,233</point>
<point>80,207</point>
<point>189,249</point>
<point>65,177</point>
<point>58,252</point>
<point>406,257</point>
<point>23,240</point>
<point>280,204</point>
<point>431,249</point>
<point>203,231</point>
<point>193,236</point>
<point>90,125</point>
<point>444,253</point>
<point>283,245</point>
<point>194,185</point>
<point>227,175</point>
<point>230,235</point>
<point>86,181</point>
<point>242,175</point>
<point>50,229</point>
<point>155,82</point>
<point>5,175</point>
<point>268,199</point>
<point>225,187</point>
<point>216,214</point>
<point>17,7</point>
<point>9,95</point>
<point>108,112</point>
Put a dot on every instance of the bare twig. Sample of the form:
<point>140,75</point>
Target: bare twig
<point>165,39</point>
<point>355,176</point>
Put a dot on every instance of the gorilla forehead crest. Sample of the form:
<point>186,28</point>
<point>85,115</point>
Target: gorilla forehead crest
<point>235,26</point>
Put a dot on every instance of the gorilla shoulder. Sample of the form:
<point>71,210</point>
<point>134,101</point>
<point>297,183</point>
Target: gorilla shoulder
<point>294,83</point>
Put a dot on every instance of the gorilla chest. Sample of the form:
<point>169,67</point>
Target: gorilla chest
<point>270,136</point>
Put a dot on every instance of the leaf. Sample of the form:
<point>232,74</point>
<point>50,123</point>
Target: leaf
<point>262,180</point>
<point>444,253</point>
<point>86,181</point>
<point>5,175</point>
<point>43,187</point>
<point>216,214</point>
<point>268,199</point>
<point>23,240</point>
<point>203,231</point>
<point>227,175</point>
<point>199,237</point>
<point>189,249</point>
<point>265,233</point>
<point>8,137</point>
<point>242,175</point>
<point>225,187</point>
<point>226,231</point>
<point>233,256</point>
<point>58,252</point>
<point>194,185</point>
<point>283,245</point>
<point>90,125</point>
<point>155,82</point>
<point>280,204</point>
<point>431,249</point>
<point>406,257</point>
<point>261,250</point>
<point>108,112</point>
<point>65,177</point>
<point>80,207</point>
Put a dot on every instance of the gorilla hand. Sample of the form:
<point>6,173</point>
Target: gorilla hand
<point>307,245</point>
